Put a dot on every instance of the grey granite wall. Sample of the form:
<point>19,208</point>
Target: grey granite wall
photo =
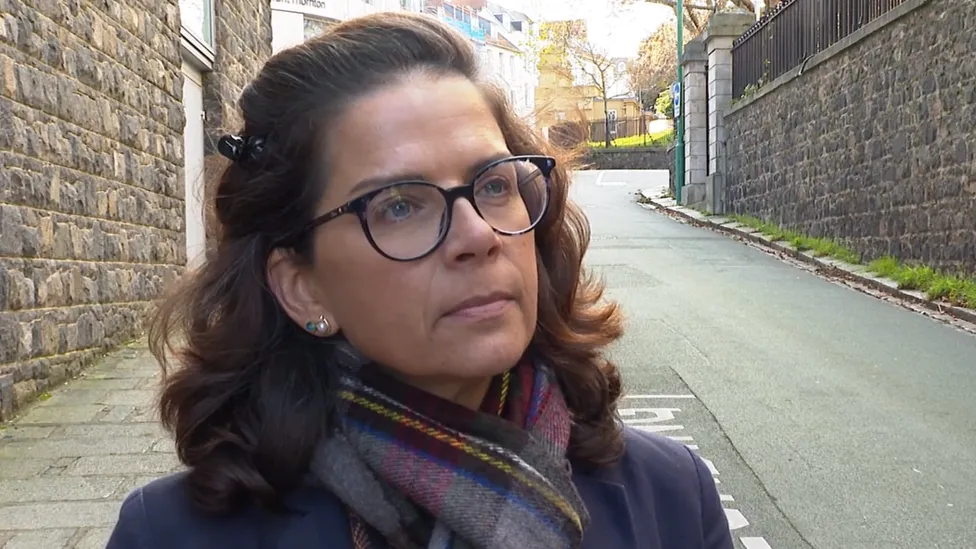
<point>874,143</point>
<point>91,185</point>
<point>243,44</point>
<point>649,158</point>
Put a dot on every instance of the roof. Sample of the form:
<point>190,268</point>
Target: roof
<point>501,42</point>
<point>515,15</point>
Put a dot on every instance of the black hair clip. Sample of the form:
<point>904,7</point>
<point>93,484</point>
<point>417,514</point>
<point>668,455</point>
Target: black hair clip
<point>241,148</point>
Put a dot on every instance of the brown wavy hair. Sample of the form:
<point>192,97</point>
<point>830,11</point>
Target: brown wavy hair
<point>251,396</point>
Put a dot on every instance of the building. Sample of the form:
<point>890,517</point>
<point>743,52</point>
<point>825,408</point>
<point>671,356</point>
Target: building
<point>499,37</point>
<point>567,94</point>
<point>511,56</point>
<point>109,113</point>
<point>559,96</point>
<point>294,21</point>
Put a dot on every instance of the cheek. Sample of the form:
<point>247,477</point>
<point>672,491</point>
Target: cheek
<point>367,293</point>
<point>524,256</point>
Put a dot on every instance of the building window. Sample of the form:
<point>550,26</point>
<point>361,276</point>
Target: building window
<point>196,17</point>
<point>315,26</point>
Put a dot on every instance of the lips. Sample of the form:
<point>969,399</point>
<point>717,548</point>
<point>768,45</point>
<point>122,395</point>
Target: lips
<point>479,301</point>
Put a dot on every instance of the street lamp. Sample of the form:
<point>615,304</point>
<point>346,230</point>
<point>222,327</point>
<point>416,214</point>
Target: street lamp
<point>679,149</point>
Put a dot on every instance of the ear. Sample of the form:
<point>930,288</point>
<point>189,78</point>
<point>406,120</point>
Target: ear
<point>293,285</point>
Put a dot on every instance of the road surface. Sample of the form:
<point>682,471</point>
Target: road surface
<point>832,419</point>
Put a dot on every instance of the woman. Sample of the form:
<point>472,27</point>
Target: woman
<point>394,343</point>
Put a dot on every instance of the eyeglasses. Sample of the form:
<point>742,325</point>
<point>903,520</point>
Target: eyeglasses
<point>408,220</point>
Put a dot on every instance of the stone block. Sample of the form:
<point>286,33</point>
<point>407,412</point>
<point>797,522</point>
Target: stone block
<point>22,469</point>
<point>40,539</point>
<point>72,514</point>
<point>60,414</point>
<point>155,463</point>
<point>692,195</point>
<point>58,489</point>
<point>94,538</point>
<point>6,396</point>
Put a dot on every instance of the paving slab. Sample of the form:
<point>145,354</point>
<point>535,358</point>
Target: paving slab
<point>40,539</point>
<point>94,538</point>
<point>67,462</point>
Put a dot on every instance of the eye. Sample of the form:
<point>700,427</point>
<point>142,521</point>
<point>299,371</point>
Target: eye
<point>397,208</point>
<point>494,187</point>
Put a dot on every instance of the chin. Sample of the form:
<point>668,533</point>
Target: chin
<point>488,355</point>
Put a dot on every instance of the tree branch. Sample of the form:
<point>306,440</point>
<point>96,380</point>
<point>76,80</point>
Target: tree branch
<point>674,4</point>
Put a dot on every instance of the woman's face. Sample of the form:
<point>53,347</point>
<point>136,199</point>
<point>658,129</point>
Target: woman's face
<point>467,310</point>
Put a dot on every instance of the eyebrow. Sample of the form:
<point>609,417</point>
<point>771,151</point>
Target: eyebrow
<point>372,183</point>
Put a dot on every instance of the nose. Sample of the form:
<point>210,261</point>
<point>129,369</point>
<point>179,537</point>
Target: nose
<point>470,237</point>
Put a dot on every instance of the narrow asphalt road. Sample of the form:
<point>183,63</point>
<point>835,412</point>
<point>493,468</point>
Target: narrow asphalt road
<point>833,419</point>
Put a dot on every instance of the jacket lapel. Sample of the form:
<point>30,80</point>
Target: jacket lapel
<point>611,521</point>
<point>316,520</point>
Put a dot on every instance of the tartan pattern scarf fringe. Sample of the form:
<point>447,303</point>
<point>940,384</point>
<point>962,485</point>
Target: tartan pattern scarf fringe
<point>407,463</point>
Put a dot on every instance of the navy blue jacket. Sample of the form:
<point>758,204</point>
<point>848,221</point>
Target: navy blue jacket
<point>658,496</point>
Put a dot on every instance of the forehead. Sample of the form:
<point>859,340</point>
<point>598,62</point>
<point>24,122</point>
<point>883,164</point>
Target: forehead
<point>434,127</point>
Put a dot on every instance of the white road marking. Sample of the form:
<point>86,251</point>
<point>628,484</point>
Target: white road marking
<point>710,465</point>
<point>657,428</point>
<point>736,519</point>
<point>668,397</point>
<point>657,420</point>
<point>660,414</point>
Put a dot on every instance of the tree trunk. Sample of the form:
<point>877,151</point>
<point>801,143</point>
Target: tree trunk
<point>606,120</point>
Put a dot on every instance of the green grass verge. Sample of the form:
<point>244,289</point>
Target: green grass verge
<point>955,289</point>
<point>649,140</point>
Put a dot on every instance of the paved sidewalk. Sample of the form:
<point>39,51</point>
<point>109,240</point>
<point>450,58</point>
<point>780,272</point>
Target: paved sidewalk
<point>863,279</point>
<point>67,462</point>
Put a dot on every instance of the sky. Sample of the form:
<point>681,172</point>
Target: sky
<point>612,25</point>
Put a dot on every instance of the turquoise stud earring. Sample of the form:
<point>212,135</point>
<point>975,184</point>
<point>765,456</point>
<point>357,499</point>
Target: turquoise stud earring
<point>321,325</point>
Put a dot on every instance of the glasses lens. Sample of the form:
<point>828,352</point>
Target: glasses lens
<point>406,220</point>
<point>512,196</point>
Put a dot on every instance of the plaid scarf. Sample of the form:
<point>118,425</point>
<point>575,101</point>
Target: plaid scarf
<point>423,472</point>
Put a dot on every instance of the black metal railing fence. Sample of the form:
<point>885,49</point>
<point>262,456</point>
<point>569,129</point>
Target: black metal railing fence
<point>792,32</point>
<point>619,128</point>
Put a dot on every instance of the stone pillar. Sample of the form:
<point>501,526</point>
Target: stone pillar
<point>696,122</point>
<point>723,28</point>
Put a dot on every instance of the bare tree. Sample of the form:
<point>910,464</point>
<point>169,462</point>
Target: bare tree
<point>697,12</point>
<point>655,66</point>
<point>576,58</point>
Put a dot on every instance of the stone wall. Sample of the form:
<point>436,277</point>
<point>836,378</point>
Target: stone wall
<point>242,37</point>
<point>91,209</point>
<point>243,44</point>
<point>91,185</point>
<point>649,158</point>
<point>874,143</point>
<point>672,169</point>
